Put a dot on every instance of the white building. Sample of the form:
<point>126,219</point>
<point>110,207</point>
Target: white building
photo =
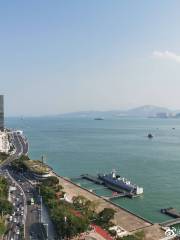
<point>120,232</point>
<point>4,142</point>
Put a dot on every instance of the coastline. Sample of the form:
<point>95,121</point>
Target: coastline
<point>126,219</point>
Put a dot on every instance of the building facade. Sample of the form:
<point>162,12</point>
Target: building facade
<point>1,112</point>
<point>4,142</point>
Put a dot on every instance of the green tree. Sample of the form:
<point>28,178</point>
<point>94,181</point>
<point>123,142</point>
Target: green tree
<point>80,202</point>
<point>51,181</point>
<point>2,227</point>
<point>48,193</point>
<point>105,216</point>
<point>5,207</point>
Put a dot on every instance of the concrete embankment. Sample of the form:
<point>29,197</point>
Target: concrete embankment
<point>123,217</point>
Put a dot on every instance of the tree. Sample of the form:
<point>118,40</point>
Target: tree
<point>5,207</point>
<point>2,227</point>
<point>67,224</point>
<point>47,193</point>
<point>105,216</point>
<point>24,158</point>
<point>51,181</point>
<point>79,202</point>
<point>85,206</point>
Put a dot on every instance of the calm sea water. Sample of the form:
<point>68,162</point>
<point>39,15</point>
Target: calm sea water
<point>76,146</point>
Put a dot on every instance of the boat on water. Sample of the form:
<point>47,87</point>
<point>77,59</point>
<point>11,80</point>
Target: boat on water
<point>99,118</point>
<point>120,184</point>
<point>150,135</point>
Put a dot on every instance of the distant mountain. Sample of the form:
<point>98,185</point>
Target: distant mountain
<point>147,111</point>
<point>143,111</point>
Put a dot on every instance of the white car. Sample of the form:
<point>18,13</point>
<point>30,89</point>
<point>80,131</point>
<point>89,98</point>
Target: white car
<point>15,220</point>
<point>17,232</point>
<point>10,218</point>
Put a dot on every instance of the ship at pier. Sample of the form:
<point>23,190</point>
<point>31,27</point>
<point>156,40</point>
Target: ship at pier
<point>120,184</point>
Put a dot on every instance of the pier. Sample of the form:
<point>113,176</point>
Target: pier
<point>172,212</point>
<point>100,188</point>
<point>123,217</point>
<point>170,222</point>
<point>91,178</point>
<point>119,195</point>
<point>98,181</point>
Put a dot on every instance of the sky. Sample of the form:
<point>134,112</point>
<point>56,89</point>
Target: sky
<point>74,55</point>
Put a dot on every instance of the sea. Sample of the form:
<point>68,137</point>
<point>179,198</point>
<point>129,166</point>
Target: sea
<point>83,145</point>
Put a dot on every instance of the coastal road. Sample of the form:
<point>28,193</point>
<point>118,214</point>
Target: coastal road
<point>34,229</point>
<point>21,147</point>
<point>24,143</point>
<point>16,220</point>
<point>24,213</point>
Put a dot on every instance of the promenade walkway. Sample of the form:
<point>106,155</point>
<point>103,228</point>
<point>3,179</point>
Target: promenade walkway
<point>128,221</point>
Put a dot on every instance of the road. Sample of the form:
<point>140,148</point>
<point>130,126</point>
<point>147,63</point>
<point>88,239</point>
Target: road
<point>18,217</point>
<point>20,145</point>
<point>27,213</point>
<point>33,227</point>
<point>23,215</point>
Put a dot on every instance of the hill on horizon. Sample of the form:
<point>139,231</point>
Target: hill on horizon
<point>142,111</point>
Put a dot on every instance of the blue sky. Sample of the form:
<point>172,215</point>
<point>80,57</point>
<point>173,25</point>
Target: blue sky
<point>63,56</point>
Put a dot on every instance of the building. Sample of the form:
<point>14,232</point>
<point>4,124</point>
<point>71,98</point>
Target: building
<point>4,142</point>
<point>2,112</point>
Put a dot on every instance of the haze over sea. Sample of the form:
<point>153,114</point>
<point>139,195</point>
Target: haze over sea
<point>77,146</point>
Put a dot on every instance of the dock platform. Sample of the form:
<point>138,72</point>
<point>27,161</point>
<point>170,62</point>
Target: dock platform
<point>91,178</point>
<point>172,212</point>
<point>119,195</point>
<point>170,222</point>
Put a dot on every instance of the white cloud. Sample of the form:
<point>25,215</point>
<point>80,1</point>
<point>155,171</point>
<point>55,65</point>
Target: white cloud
<point>167,55</point>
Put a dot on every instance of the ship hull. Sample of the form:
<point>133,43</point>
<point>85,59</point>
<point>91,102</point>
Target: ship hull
<point>120,185</point>
<point>115,188</point>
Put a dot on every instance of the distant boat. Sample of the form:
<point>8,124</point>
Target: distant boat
<point>150,135</point>
<point>99,118</point>
<point>173,128</point>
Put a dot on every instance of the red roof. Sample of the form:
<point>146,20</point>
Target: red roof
<point>102,232</point>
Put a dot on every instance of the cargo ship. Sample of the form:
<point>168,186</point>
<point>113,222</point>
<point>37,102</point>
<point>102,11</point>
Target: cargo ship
<point>120,184</point>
